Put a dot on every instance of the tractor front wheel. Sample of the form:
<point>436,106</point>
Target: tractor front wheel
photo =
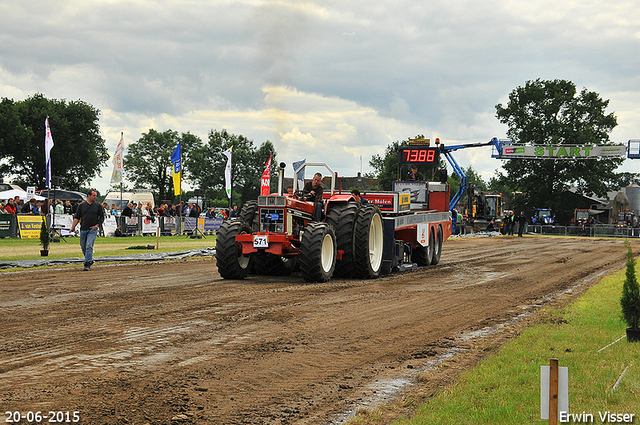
<point>318,252</point>
<point>232,264</point>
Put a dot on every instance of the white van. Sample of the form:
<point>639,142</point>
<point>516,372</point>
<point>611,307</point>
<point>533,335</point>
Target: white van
<point>134,196</point>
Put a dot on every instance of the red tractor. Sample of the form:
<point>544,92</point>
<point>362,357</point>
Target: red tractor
<point>278,234</point>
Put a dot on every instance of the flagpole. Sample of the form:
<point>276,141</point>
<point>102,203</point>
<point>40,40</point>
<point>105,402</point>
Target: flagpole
<point>122,177</point>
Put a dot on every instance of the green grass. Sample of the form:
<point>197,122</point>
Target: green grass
<point>29,249</point>
<point>505,389</point>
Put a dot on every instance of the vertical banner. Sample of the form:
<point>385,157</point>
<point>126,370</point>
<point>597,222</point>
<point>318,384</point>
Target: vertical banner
<point>265,184</point>
<point>116,175</point>
<point>227,172</point>
<point>176,161</point>
<point>48,144</point>
<point>300,176</point>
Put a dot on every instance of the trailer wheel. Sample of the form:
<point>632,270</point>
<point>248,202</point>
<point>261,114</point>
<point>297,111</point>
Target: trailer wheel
<point>249,213</point>
<point>272,265</point>
<point>231,263</point>
<point>368,242</point>
<point>423,255</point>
<point>437,248</point>
<point>343,218</point>
<point>318,252</point>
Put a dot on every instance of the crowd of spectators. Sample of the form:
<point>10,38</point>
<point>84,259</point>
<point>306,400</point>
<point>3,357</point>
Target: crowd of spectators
<point>182,209</point>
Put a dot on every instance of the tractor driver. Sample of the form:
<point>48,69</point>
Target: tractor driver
<point>313,192</point>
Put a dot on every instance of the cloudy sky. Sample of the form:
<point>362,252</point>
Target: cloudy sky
<point>329,81</point>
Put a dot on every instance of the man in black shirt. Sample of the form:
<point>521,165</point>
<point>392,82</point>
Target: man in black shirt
<point>90,214</point>
<point>312,191</point>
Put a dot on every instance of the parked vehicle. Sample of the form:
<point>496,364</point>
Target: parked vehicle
<point>542,216</point>
<point>134,196</point>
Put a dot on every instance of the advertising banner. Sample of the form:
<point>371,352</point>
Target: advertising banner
<point>563,151</point>
<point>109,225</point>
<point>29,226</point>
<point>149,225</point>
<point>63,221</point>
<point>131,225</point>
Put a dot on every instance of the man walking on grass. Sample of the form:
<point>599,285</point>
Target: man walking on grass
<point>90,215</point>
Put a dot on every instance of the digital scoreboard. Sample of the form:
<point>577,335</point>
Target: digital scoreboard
<point>419,155</point>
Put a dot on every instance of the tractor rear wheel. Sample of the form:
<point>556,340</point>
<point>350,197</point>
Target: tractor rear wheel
<point>231,263</point>
<point>343,218</point>
<point>318,252</point>
<point>369,240</point>
<point>249,213</point>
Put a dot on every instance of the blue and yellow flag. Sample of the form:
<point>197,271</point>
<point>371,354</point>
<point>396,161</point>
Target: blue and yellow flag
<point>176,161</point>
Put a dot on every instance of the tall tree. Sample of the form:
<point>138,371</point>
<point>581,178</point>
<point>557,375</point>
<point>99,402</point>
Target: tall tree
<point>78,153</point>
<point>207,163</point>
<point>545,112</point>
<point>148,160</point>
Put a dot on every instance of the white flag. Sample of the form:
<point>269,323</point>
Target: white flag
<point>116,175</point>
<point>48,144</point>
<point>227,172</point>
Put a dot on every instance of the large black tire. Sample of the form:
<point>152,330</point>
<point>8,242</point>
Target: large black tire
<point>231,263</point>
<point>318,252</point>
<point>343,218</point>
<point>369,242</point>
<point>437,248</point>
<point>422,255</point>
<point>249,213</point>
<point>272,265</point>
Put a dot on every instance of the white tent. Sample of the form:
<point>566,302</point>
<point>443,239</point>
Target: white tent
<point>10,194</point>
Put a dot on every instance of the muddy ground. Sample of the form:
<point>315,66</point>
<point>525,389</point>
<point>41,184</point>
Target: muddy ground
<point>171,342</point>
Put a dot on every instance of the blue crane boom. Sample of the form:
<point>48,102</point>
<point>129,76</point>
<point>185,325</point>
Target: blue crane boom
<point>446,150</point>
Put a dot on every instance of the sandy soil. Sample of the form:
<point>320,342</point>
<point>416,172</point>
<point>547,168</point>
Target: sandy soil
<point>171,342</point>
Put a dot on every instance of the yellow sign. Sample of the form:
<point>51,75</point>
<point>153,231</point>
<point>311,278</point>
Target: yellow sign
<point>404,202</point>
<point>420,142</point>
<point>29,226</point>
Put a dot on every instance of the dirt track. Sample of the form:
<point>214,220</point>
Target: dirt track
<point>148,342</point>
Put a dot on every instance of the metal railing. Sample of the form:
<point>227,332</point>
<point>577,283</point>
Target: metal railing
<point>597,230</point>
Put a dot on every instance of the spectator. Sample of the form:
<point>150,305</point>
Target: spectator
<point>37,209</point>
<point>234,212</point>
<point>10,208</point>
<point>114,210</point>
<point>68,209</point>
<point>128,211</point>
<point>522,220</point>
<point>74,208</point>
<point>28,207</point>
<point>59,209</point>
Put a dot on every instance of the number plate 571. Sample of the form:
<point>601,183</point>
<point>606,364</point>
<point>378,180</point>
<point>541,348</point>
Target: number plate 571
<point>261,241</point>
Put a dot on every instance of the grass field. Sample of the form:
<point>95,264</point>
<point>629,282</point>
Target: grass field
<point>505,389</point>
<point>29,249</point>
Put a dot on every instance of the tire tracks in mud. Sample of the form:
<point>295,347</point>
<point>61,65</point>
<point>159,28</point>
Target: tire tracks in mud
<point>146,342</point>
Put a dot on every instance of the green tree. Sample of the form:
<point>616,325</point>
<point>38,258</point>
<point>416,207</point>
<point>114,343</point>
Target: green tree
<point>206,166</point>
<point>148,160</point>
<point>78,152</point>
<point>545,112</point>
